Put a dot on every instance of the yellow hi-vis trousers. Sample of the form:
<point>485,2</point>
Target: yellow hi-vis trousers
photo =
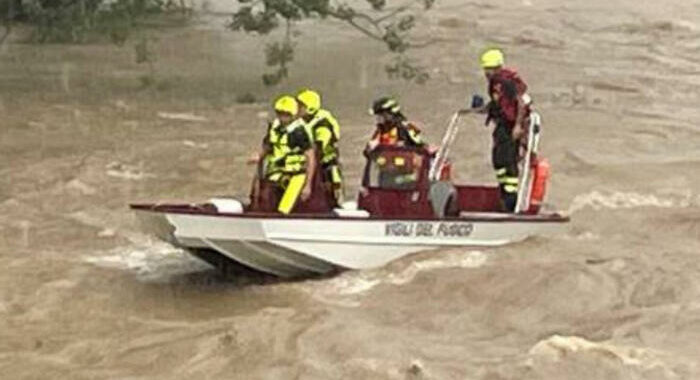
<point>292,193</point>
<point>336,179</point>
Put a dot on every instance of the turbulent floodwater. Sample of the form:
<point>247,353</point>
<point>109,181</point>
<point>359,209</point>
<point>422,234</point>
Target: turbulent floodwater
<point>84,294</point>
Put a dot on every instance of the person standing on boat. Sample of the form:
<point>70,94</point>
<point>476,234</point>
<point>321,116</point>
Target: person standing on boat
<point>392,126</point>
<point>288,154</point>
<point>509,110</point>
<point>326,134</point>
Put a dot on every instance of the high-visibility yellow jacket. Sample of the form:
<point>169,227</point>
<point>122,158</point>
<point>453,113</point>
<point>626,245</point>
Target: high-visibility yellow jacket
<point>286,146</point>
<point>326,133</point>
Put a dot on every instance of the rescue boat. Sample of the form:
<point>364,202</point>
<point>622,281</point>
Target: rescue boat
<point>406,204</point>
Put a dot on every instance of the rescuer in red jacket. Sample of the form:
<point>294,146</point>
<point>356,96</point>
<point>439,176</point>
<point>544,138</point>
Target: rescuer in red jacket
<point>509,110</point>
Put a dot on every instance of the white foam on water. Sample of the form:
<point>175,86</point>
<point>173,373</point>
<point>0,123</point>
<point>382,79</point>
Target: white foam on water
<point>578,236</point>
<point>81,187</point>
<point>342,290</point>
<point>150,260</point>
<point>192,144</point>
<point>127,172</point>
<point>108,230</point>
<point>588,236</point>
<point>360,282</point>
<point>106,233</point>
<point>472,259</point>
<point>87,219</point>
<point>559,348</point>
<point>184,116</point>
<point>355,285</point>
<point>600,200</point>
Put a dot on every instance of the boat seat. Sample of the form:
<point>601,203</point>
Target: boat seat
<point>346,213</point>
<point>227,205</point>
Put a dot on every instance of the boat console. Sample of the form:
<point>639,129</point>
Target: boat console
<point>396,184</point>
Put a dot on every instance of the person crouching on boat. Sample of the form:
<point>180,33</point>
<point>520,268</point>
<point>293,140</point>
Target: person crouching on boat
<point>393,129</point>
<point>392,126</point>
<point>509,110</point>
<point>288,155</point>
<point>326,134</point>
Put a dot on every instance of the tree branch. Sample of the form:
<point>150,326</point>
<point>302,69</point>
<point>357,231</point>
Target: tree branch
<point>380,37</point>
<point>392,26</point>
<point>287,42</point>
<point>351,21</point>
<point>379,32</point>
<point>393,13</point>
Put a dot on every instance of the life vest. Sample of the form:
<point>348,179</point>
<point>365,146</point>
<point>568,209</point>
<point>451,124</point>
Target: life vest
<point>288,145</point>
<point>513,75</point>
<point>326,132</point>
<point>507,107</point>
<point>390,137</point>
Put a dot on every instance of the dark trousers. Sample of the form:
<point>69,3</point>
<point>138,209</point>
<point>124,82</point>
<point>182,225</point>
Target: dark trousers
<point>504,157</point>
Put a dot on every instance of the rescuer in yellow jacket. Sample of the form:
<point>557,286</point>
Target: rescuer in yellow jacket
<point>288,154</point>
<point>326,133</point>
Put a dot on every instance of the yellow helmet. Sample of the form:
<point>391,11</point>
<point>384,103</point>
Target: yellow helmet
<point>311,99</point>
<point>492,59</point>
<point>288,104</point>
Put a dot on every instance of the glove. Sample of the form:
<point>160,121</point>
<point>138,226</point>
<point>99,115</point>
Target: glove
<point>477,101</point>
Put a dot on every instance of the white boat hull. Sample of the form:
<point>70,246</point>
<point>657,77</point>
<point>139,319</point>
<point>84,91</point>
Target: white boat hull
<point>304,246</point>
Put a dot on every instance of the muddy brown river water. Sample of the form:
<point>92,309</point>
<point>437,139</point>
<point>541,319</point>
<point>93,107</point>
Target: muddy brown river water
<point>84,294</point>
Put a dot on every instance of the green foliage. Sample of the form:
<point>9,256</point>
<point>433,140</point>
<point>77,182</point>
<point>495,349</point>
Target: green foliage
<point>75,21</point>
<point>278,55</point>
<point>391,25</point>
<point>61,20</point>
<point>404,68</point>
<point>10,10</point>
<point>377,5</point>
<point>258,22</point>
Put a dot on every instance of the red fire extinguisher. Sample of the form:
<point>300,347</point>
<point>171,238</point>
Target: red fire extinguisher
<point>541,173</point>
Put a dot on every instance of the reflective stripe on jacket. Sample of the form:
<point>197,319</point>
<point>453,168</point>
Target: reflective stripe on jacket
<point>287,146</point>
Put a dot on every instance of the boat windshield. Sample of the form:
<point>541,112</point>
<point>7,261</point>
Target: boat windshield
<point>394,169</point>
